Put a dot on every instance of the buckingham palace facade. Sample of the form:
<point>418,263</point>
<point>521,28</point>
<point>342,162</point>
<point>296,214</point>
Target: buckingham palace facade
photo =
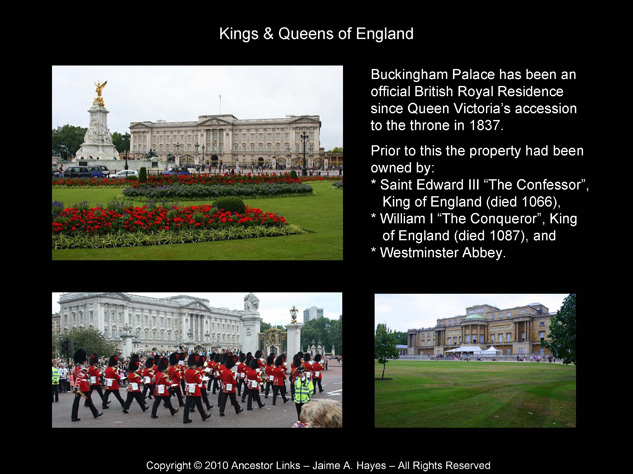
<point>516,331</point>
<point>226,141</point>
<point>162,324</point>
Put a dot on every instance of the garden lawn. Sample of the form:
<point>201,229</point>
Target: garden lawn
<point>460,394</point>
<point>319,215</point>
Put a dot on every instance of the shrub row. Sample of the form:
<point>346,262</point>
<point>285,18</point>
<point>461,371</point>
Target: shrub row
<point>203,191</point>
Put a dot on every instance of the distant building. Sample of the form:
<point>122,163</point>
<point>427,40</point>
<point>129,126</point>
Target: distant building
<point>161,323</point>
<point>312,313</point>
<point>514,331</point>
<point>226,141</point>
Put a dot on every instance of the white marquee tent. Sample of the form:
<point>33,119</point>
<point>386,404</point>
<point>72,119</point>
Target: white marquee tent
<point>476,350</point>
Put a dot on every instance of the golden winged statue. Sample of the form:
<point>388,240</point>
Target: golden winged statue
<point>99,99</point>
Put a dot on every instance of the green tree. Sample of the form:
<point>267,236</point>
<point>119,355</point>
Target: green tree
<point>385,346</point>
<point>121,142</point>
<point>70,136</point>
<point>92,341</point>
<point>327,331</point>
<point>562,337</point>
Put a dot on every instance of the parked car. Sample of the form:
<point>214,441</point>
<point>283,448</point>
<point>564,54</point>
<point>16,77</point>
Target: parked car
<point>105,172</point>
<point>77,172</point>
<point>125,174</point>
<point>96,171</point>
<point>177,170</point>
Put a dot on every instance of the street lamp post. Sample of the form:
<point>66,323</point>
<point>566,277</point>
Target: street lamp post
<point>304,139</point>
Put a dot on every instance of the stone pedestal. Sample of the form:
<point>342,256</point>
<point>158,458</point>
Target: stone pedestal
<point>294,338</point>
<point>97,143</point>
<point>251,324</point>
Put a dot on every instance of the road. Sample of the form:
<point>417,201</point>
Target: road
<point>280,415</point>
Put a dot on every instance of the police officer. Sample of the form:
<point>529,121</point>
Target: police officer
<point>303,390</point>
<point>55,384</point>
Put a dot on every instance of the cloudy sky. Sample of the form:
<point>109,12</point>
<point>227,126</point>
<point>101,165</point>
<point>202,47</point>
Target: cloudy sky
<point>182,93</point>
<point>274,308</point>
<point>411,311</point>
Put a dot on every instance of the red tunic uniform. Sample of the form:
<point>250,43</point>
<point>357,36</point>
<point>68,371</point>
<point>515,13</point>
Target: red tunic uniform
<point>192,382</point>
<point>134,380</point>
<point>317,368</point>
<point>174,375</point>
<point>112,378</point>
<point>94,376</point>
<point>81,379</point>
<point>161,385</point>
<point>227,379</point>
<point>279,376</point>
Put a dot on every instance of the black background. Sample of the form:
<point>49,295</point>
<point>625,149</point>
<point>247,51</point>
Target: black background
<point>574,264</point>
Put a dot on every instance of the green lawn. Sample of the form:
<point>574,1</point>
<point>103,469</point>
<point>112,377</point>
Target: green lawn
<point>320,215</point>
<point>460,394</point>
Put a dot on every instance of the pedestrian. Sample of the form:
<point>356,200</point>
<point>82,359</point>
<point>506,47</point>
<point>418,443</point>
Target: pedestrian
<point>279,380</point>
<point>134,386</point>
<point>192,389</point>
<point>63,378</point>
<point>162,384</point>
<point>112,379</point>
<point>82,387</point>
<point>252,385</point>
<point>55,394</point>
<point>303,390</point>
<point>317,368</point>
<point>95,377</point>
<point>228,386</point>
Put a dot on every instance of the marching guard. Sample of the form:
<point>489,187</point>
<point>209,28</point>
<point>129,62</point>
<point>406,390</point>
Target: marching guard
<point>279,380</point>
<point>252,385</point>
<point>134,387</point>
<point>82,387</point>
<point>162,384</point>
<point>112,378</point>
<point>227,386</point>
<point>192,389</point>
<point>94,376</point>
<point>317,368</point>
<point>174,375</point>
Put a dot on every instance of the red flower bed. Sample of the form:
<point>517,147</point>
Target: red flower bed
<point>146,219</point>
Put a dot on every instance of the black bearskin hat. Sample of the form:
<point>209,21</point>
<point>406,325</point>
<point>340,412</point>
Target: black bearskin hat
<point>229,363</point>
<point>306,356</point>
<point>162,364</point>
<point>193,360</point>
<point>94,359</point>
<point>80,356</point>
<point>173,358</point>
<point>317,357</point>
<point>149,363</point>
<point>112,361</point>
<point>133,367</point>
<point>242,357</point>
<point>253,364</point>
<point>270,360</point>
<point>279,360</point>
<point>258,354</point>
